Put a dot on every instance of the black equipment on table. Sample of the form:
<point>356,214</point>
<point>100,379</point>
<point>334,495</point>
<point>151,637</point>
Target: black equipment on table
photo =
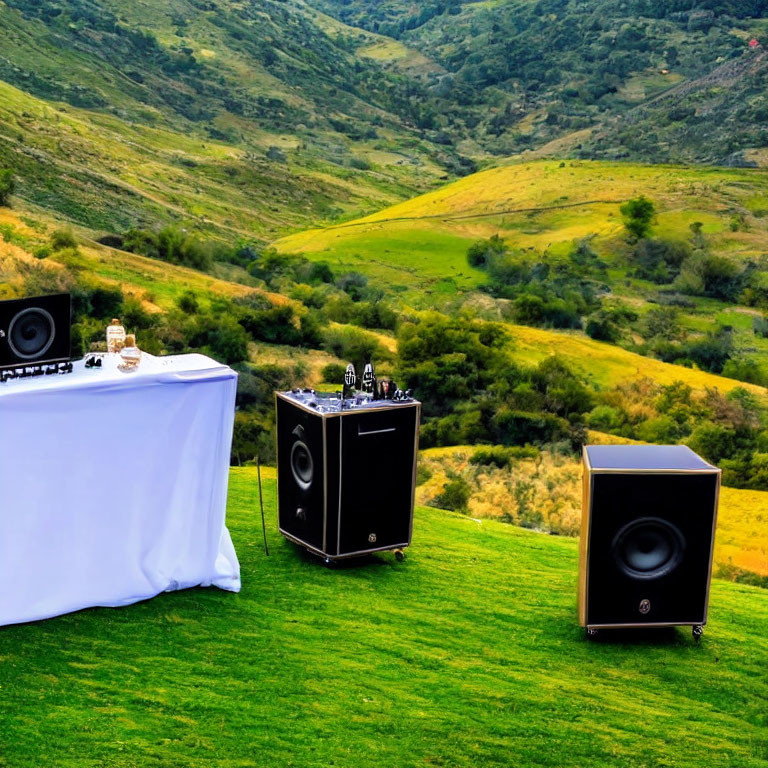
<point>346,471</point>
<point>34,333</point>
<point>647,537</point>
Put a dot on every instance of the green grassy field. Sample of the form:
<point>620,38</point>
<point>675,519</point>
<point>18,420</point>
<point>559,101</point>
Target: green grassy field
<point>467,654</point>
<point>545,205</point>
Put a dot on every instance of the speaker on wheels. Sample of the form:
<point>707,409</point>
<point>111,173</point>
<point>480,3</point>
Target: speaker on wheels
<point>346,478</point>
<point>647,536</point>
<point>35,331</point>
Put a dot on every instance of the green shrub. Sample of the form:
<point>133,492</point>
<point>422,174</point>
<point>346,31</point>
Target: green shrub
<point>354,345</point>
<point>714,442</point>
<point>638,214</point>
<point>604,418</point>
<point>134,316</point>
<point>502,456</point>
<point>602,327</point>
<point>454,496</point>
<point>760,326</point>
<point>658,260</point>
<point>173,245</point>
<point>423,473</point>
<point>188,303</point>
<point>481,252</point>
<point>662,430</point>
<point>63,238</point>
<point>7,185</point>
<point>333,373</point>
<point>745,369</point>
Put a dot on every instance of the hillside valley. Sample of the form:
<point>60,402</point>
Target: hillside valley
<point>259,119</point>
<point>549,218</point>
<point>575,78</point>
<point>292,186</point>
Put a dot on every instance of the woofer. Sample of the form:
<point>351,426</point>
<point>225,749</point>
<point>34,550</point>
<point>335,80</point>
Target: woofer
<point>35,331</point>
<point>302,465</point>
<point>648,548</point>
<point>31,333</point>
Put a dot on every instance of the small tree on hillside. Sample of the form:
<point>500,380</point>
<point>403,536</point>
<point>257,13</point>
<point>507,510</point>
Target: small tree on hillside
<point>638,214</point>
<point>7,186</point>
<point>481,252</point>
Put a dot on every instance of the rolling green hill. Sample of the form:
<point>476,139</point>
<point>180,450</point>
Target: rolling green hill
<point>467,654</point>
<point>251,119</point>
<point>527,72</point>
<point>542,206</point>
<point>259,119</point>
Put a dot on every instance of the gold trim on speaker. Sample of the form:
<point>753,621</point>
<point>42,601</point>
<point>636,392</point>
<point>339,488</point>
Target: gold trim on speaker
<point>586,514</point>
<point>712,550</point>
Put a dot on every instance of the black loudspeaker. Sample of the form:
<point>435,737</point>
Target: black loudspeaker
<point>35,331</point>
<point>647,535</point>
<point>346,473</point>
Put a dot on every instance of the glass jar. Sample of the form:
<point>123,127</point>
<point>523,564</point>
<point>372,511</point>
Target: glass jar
<point>130,354</point>
<point>115,336</point>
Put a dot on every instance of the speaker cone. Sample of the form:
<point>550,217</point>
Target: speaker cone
<point>648,548</point>
<point>302,465</point>
<point>31,333</point>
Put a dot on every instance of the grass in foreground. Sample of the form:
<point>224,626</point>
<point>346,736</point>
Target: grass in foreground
<point>467,654</point>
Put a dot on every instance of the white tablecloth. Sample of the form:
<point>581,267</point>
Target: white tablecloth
<point>113,485</point>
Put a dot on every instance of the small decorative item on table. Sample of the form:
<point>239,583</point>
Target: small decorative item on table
<point>130,355</point>
<point>115,336</point>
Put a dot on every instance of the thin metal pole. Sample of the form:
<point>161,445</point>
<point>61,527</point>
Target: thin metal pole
<point>261,504</point>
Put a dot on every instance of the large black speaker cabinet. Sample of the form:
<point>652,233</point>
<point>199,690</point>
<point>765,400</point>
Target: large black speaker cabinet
<point>346,477</point>
<point>647,534</point>
<point>35,331</point>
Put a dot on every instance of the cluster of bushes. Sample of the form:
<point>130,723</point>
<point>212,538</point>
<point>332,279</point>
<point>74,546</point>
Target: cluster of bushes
<point>544,291</point>
<point>727,429</point>
<point>472,392</point>
<point>570,292</point>
<point>689,267</point>
<point>502,456</point>
<point>225,328</point>
<point>178,246</point>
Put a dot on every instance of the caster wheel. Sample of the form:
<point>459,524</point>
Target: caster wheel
<point>399,555</point>
<point>592,633</point>
<point>697,632</point>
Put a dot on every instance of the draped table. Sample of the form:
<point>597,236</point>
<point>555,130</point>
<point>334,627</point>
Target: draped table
<point>113,485</point>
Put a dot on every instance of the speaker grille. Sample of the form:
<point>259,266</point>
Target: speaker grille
<point>649,547</point>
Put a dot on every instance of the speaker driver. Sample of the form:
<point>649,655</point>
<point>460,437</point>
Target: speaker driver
<point>648,548</point>
<point>31,333</point>
<point>302,465</point>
